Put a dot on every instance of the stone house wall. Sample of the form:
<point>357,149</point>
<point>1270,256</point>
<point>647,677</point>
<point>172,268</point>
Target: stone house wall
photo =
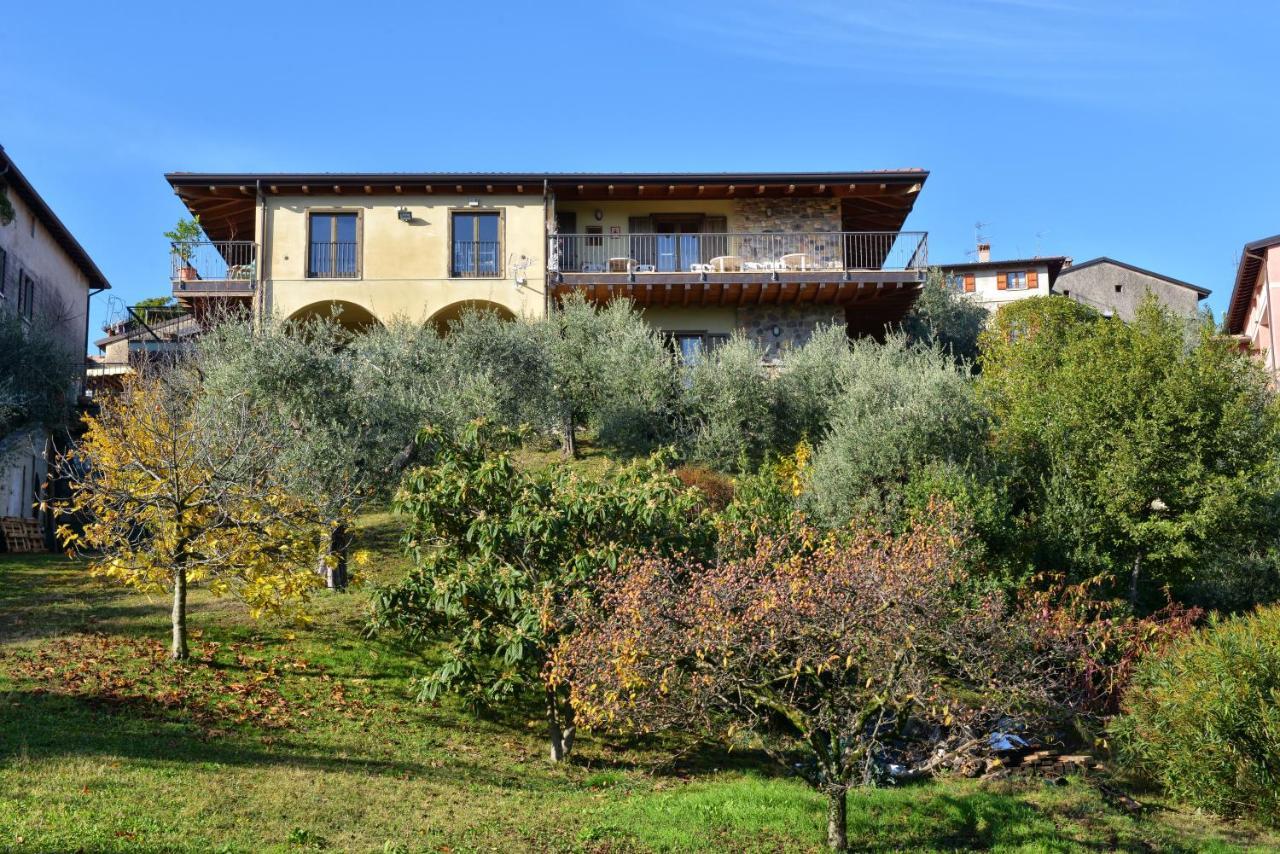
<point>795,222</point>
<point>795,324</point>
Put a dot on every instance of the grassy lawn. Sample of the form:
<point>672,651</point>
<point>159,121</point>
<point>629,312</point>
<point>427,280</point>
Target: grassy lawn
<point>280,738</point>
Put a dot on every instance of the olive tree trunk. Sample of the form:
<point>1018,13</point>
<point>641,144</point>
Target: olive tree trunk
<point>333,565</point>
<point>1133,582</point>
<point>837,820</point>
<point>570,447</point>
<point>179,651</point>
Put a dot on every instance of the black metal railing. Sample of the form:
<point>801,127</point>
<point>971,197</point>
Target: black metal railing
<point>333,261</point>
<point>476,259</point>
<point>739,252</point>
<point>215,261</point>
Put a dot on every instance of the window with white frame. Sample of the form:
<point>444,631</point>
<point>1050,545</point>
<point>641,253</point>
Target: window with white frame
<point>1017,280</point>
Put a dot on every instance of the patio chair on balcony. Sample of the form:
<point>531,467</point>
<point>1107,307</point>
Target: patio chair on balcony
<point>795,261</point>
<point>592,267</point>
<point>622,265</point>
<point>726,264</point>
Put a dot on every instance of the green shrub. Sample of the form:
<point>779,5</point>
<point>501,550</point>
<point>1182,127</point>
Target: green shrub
<point>902,408</point>
<point>729,407</point>
<point>1203,717</point>
<point>810,382</point>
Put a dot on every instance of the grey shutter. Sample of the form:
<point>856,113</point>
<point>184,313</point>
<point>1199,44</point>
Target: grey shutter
<point>713,247</point>
<point>643,248</point>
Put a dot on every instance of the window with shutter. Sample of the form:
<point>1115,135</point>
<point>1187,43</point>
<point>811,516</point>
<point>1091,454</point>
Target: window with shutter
<point>1002,282</point>
<point>1033,279</point>
<point>970,284</point>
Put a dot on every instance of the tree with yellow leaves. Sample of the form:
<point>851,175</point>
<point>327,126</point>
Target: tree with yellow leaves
<point>176,487</point>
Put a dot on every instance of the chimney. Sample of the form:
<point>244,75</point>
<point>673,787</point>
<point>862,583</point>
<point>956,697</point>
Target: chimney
<point>984,253</point>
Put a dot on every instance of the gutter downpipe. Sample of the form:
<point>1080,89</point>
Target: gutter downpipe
<point>260,257</point>
<point>546,249</point>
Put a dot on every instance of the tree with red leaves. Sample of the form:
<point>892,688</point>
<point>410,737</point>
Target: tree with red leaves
<point>847,655</point>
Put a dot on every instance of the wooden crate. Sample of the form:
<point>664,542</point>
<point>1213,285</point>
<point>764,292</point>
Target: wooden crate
<point>22,535</point>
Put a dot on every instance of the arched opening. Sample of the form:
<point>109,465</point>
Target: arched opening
<point>453,312</point>
<point>348,315</point>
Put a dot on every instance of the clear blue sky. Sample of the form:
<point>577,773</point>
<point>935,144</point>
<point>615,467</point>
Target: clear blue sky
<point>1068,126</point>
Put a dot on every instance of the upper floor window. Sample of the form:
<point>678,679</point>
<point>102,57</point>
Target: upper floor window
<point>477,245</point>
<point>955,281</point>
<point>26,294</point>
<point>334,245</point>
<point>1016,280</point>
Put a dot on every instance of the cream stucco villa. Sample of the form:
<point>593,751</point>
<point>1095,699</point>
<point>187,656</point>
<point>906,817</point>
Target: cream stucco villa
<point>701,255</point>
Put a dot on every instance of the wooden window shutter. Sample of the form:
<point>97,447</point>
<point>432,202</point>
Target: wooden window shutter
<point>1032,279</point>
<point>718,245</point>
<point>970,285</point>
<point>1002,281</point>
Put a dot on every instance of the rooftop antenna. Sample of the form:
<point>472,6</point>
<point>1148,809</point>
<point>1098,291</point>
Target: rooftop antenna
<point>1039,234</point>
<point>979,237</point>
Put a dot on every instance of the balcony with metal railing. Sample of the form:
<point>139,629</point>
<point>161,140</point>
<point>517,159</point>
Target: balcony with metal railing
<point>214,268</point>
<point>767,253</point>
<point>833,269</point>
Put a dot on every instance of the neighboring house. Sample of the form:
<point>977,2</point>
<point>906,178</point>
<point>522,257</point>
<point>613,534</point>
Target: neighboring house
<point>145,334</point>
<point>701,255</point>
<point>1117,289</point>
<point>994,283</point>
<point>1249,314</point>
<point>45,276</point>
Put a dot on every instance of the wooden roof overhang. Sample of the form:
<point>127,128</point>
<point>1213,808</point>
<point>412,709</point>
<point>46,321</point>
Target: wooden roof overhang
<point>869,201</point>
<point>693,290</point>
<point>1251,261</point>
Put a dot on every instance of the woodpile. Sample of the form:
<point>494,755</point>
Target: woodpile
<point>1041,762</point>
<point>21,535</point>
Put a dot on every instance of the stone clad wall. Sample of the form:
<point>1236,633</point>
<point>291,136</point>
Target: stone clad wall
<point>796,221</point>
<point>786,215</point>
<point>795,325</point>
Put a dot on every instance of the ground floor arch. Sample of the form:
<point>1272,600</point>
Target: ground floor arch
<point>349,315</point>
<point>454,311</point>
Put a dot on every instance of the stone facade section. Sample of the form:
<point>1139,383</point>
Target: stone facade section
<point>786,215</point>
<point>794,326</point>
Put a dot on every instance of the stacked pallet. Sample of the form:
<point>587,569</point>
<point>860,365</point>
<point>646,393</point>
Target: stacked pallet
<point>1048,763</point>
<point>21,535</point>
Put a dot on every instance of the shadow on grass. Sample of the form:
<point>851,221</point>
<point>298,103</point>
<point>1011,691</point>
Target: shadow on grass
<point>36,725</point>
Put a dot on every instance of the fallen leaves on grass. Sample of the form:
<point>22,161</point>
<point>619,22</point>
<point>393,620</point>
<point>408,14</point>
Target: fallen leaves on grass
<point>221,686</point>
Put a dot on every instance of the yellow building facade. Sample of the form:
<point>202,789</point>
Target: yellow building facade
<point>769,254</point>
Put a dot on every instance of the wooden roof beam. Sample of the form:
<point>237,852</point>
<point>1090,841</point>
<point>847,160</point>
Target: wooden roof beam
<point>368,190</point>
<point>429,188</point>
<point>306,191</point>
<point>337,188</point>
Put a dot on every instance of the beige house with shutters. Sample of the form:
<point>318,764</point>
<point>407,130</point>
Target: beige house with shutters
<point>995,283</point>
<point>46,277</point>
<point>701,255</point>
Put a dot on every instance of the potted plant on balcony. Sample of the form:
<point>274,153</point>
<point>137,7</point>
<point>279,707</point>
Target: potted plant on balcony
<point>184,237</point>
